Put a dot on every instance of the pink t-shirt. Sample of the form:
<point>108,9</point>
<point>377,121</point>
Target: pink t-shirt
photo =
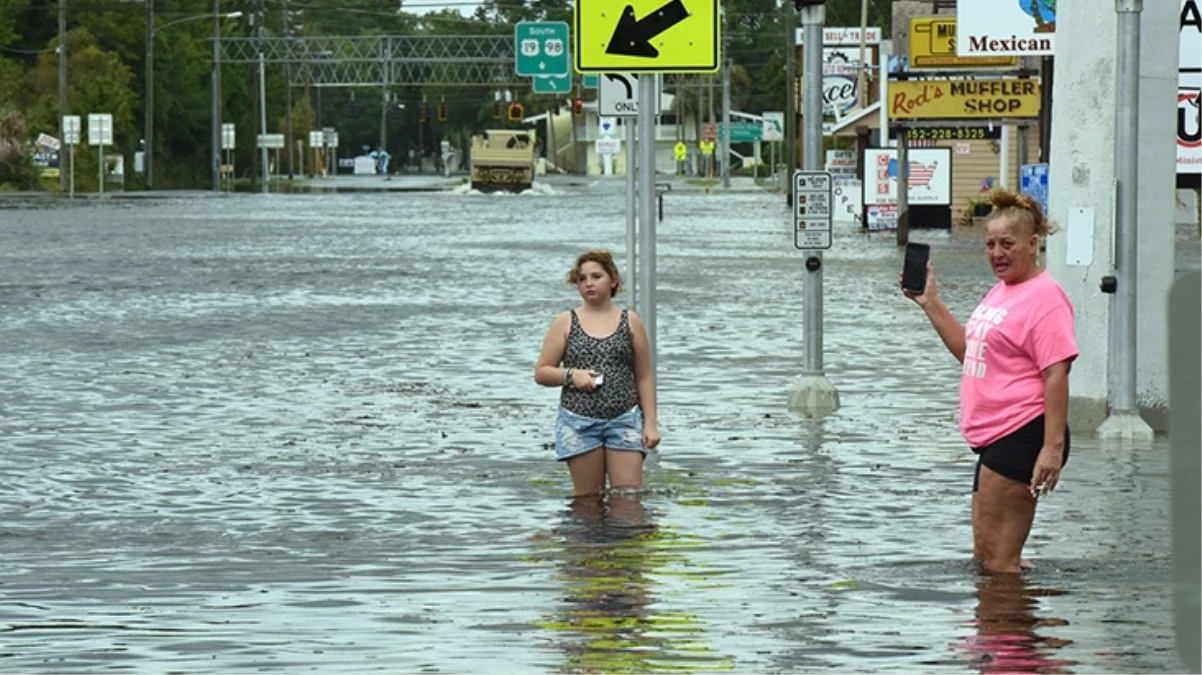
<point>1016,332</point>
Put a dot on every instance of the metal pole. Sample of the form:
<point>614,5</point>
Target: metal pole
<point>1126,171</point>
<point>72,179</point>
<point>646,265</point>
<point>631,215</point>
<point>726,123</point>
<point>790,149</point>
<point>812,19</point>
<point>903,187</point>
<point>148,132</point>
<point>263,114</point>
<point>215,95</point>
<point>288,119</point>
<point>100,165</point>
<point>62,93</point>
<point>861,66</point>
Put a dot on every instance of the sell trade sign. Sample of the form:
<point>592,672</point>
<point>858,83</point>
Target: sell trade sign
<point>961,99</point>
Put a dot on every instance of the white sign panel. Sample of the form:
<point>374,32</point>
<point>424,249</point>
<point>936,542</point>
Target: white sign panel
<point>842,36</point>
<point>316,139</point>
<point>607,125</point>
<point>1007,28</point>
<point>608,146</point>
<point>813,210</point>
<point>271,141</point>
<point>930,176</point>
<point>1189,82</point>
<point>618,95</point>
<point>227,136</point>
<point>71,128</point>
<point>100,129</point>
<point>773,126</point>
<point>330,136</point>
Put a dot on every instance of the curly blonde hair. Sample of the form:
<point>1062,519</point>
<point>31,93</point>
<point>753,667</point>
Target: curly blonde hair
<point>603,258</point>
<point>1020,207</point>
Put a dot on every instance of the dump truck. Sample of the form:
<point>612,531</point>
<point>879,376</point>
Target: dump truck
<point>502,159</point>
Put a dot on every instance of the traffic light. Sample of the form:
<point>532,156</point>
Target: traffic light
<point>396,112</point>
<point>578,107</point>
<point>496,110</point>
<point>442,112</point>
<point>421,113</point>
<point>516,112</point>
<point>352,109</point>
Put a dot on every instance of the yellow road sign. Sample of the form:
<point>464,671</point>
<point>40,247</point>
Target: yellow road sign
<point>933,45</point>
<point>960,99</point>
<point>646,36</point>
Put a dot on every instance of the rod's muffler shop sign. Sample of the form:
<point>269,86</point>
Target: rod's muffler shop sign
<point>963,99</point>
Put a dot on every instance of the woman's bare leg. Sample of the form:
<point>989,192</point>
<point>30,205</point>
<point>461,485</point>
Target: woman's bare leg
<point>588,473</point>
<point>1005,511</point>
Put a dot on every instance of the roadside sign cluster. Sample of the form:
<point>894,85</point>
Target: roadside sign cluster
<point>813,210</point>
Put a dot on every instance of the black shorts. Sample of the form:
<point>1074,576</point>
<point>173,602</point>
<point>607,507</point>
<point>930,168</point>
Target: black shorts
<point>1014,455</point>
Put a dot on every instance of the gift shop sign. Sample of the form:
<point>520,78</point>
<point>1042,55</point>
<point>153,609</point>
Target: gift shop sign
<point>961,99</point>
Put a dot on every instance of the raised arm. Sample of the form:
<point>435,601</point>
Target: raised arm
<point>949,330</point>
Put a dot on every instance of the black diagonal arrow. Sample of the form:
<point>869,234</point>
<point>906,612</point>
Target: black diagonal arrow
<point>632,37</point>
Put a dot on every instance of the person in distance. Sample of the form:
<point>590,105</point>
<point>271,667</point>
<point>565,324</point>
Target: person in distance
<point>1016,350</point>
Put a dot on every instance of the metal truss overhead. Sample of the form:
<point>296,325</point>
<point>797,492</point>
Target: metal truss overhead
<point>388,60</point>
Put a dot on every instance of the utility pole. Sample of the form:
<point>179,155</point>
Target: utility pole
<point>1124,421</point>
<point>726,123</point>
<point>256,19</point>
<point>148,100</point>
<point>215,95</point>
<point>63,169</point>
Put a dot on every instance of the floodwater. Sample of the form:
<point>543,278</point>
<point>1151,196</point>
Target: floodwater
<point>268,433</point>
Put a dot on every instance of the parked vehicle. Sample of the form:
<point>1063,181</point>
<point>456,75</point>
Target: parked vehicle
<point>502,159</point>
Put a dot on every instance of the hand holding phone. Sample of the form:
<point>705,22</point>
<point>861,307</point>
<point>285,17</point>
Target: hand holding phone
<point>914,270</point>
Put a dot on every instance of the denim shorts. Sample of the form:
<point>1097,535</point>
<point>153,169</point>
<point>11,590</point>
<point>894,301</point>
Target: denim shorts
<point>577,434</point>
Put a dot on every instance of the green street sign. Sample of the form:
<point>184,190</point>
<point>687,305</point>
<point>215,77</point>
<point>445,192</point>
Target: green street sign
<point>742,132</point>
<point>553,84</point>
<point>590,80</point>
<point>541,48</point>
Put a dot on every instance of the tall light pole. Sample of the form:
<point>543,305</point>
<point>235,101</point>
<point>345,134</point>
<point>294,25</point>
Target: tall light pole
<point>148,121</point>
<point>62,87</point>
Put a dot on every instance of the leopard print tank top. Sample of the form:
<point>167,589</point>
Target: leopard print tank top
<point>613,357</point>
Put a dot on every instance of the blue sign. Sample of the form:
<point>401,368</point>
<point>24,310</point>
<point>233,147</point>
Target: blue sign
<point>1033,180</point>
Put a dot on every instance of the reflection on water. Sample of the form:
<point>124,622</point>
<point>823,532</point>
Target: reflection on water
<point>608,554</point>
<point>1013,633</point>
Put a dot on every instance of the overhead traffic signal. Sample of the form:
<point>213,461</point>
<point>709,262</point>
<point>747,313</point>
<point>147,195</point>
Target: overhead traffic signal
<point>516,112</point>
<point>442,112</point>
<point>497,111</point>
<point>421,113</point>
<point>578,107</point>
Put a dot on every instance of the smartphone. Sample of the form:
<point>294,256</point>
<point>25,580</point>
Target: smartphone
<point>599,379</point>
<point>914,272</point>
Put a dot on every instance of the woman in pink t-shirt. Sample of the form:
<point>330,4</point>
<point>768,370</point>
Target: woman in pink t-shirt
<point>1016,350</point>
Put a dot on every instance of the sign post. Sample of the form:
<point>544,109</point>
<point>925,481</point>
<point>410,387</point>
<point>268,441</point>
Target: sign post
<point>813,395</point>
<point>100,134</point>
<point>71,138</point>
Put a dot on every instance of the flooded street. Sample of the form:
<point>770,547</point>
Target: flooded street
<point>301,433</point>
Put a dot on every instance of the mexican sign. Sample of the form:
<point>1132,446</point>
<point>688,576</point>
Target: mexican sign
<point>541,48</point>
<point>933,45</point>
<point>647,36</point>
<point>1006,27</point>
<point>1189,82</point>
<point>930,176</point>
<point>961,99</point>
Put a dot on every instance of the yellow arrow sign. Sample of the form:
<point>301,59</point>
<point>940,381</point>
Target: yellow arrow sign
<point>646,36</point>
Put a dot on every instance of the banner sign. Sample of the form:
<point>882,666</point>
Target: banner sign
<point>961,99</point>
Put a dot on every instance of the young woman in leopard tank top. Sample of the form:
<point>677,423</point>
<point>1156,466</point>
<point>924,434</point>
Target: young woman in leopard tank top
<point>600,356</point>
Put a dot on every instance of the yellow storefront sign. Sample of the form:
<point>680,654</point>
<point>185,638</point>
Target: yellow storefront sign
<point>933,45</point>
<point>646,36</point>
<point>963,99</point>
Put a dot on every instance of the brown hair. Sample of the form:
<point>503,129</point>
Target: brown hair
<point>1020,207</point>
<point>603,258</point>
